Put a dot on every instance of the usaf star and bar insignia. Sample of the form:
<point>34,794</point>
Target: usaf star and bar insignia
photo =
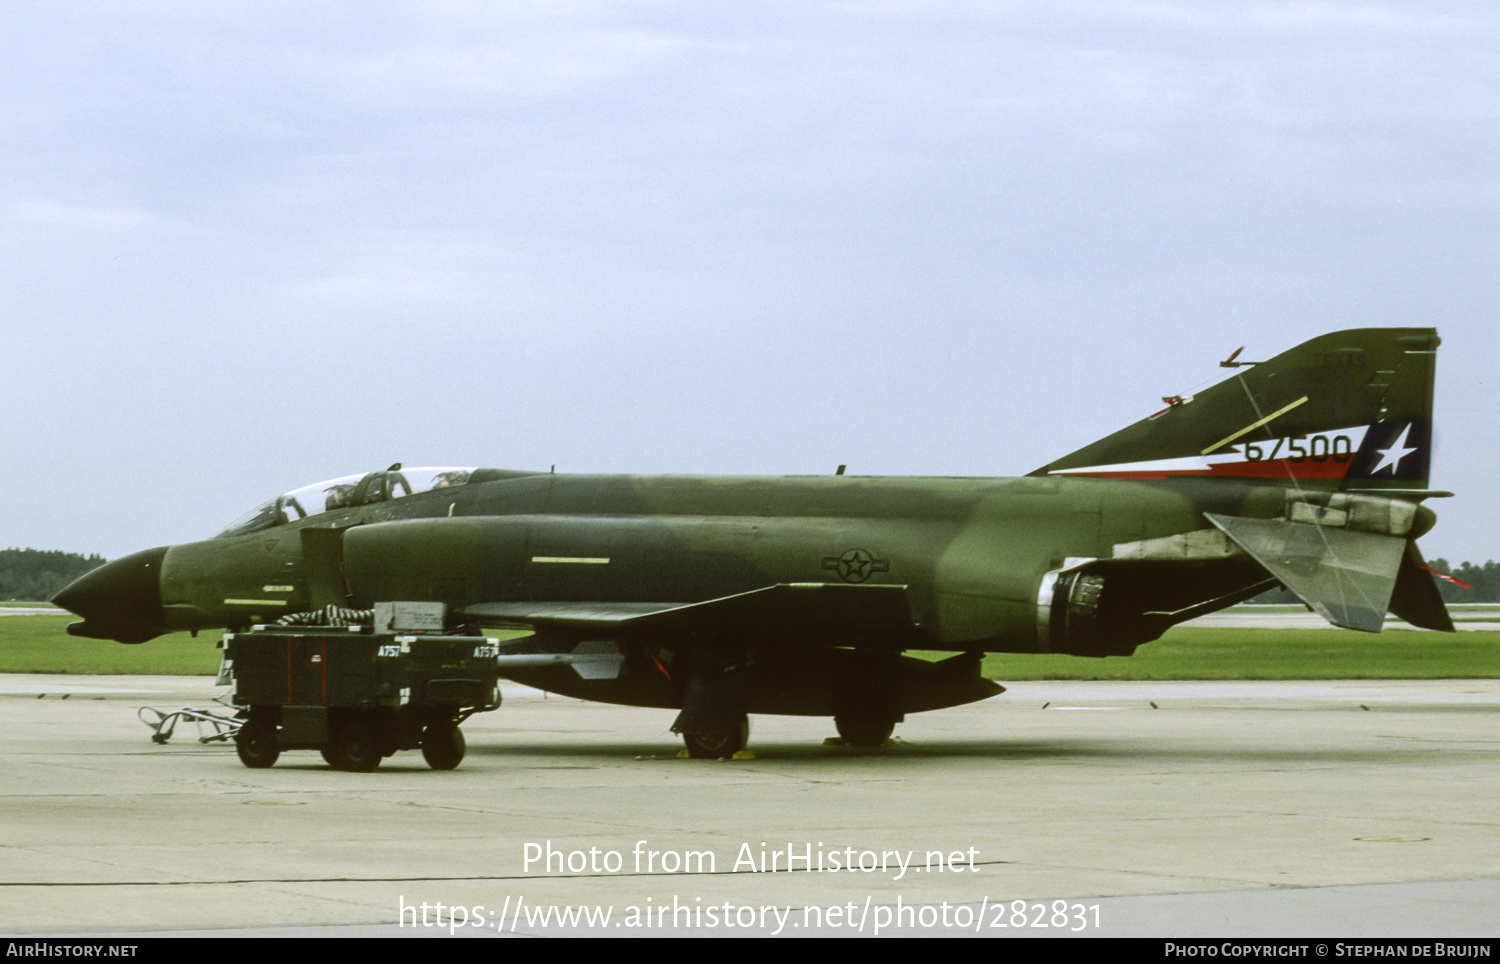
<point>856,565</point>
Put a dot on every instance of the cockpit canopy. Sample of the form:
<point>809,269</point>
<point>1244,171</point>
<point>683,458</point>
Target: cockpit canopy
<point>345,493</point>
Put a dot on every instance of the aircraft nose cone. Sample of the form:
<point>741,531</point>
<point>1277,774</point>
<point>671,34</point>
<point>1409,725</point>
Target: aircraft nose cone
<point>119,600</point>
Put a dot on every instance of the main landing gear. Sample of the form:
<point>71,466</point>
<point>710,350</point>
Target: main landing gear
<point>857,730</point>
<point>720,745</point>
<point>713,722</point>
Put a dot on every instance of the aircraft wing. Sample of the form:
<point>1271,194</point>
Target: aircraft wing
<point>583,615</point>
<point>837,612</point>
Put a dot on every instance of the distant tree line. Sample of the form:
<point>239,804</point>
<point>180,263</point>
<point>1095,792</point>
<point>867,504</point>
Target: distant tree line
<point>1484,583</point>
<point>39,574</point>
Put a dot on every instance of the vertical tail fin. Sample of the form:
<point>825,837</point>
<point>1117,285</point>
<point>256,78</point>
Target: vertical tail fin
<point>1348,410</point>
<point>1344,422</point>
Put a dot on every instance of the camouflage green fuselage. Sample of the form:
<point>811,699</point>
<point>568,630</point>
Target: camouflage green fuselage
<point>971,552</point>
<point>726,595</point>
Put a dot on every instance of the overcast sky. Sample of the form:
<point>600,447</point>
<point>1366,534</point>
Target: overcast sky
<point>249,246</point>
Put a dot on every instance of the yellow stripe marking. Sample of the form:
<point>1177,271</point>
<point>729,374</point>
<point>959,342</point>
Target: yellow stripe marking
<point>1253,426</point>
<point>578,560</point>
<point>255,602</point>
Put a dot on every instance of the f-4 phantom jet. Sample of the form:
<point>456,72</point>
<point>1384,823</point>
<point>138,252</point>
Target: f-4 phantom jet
<point>725,596</point>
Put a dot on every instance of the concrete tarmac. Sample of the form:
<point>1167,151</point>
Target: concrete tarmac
<point>1227,809</point>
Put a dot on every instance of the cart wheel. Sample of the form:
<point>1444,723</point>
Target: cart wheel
<point>256,745</point>
<point>443,746</point>
<point>356,749</point>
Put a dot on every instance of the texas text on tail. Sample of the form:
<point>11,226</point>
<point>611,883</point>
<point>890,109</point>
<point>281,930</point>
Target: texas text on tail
<point>723,596</point>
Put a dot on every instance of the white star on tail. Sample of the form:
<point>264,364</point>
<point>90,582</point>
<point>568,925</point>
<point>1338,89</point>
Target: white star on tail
<point>1392,456</point>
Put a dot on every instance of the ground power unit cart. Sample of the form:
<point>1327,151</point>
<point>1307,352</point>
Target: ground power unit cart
<point>358,696</point>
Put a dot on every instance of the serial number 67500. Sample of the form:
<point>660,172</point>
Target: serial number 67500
<point>1316,448</point>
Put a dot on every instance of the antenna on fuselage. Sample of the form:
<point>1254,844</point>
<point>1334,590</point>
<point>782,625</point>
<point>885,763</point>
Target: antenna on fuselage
<point>1231,363</point>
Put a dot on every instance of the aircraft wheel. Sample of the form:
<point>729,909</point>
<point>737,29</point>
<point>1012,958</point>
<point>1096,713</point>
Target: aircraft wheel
<point>256,745</point>
<point>443,746</point>
<point>717,746</point>
<point>864,730</point>
<point>356,749</point>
